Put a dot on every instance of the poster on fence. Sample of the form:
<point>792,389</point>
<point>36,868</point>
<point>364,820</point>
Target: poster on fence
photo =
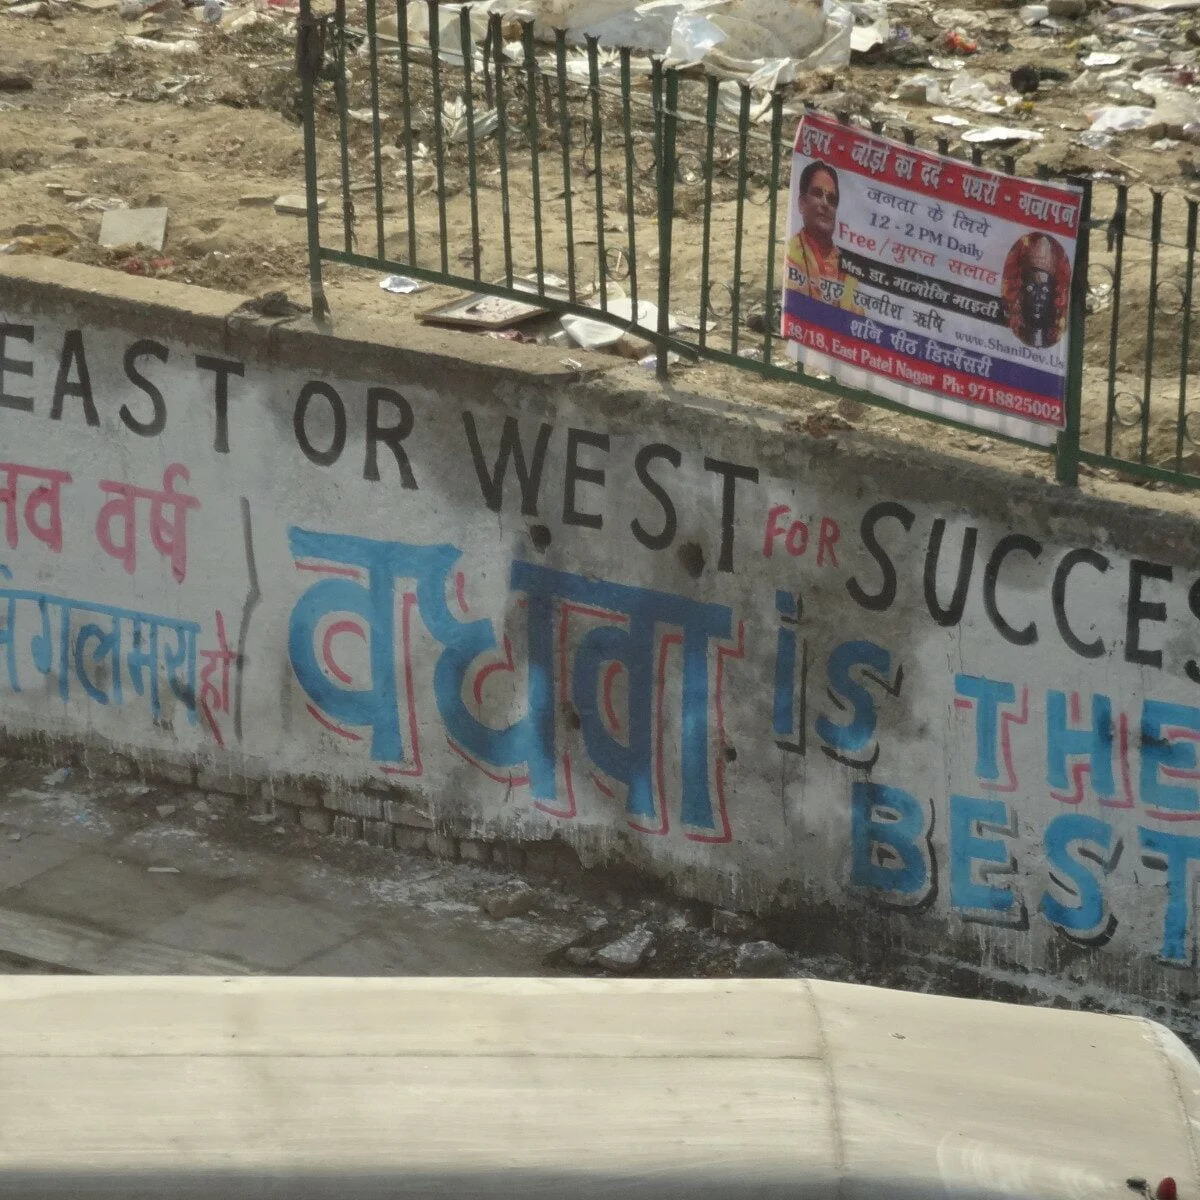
<point>939,285</point>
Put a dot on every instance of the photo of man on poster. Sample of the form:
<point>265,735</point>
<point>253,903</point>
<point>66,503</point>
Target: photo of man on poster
<point>814,263</point>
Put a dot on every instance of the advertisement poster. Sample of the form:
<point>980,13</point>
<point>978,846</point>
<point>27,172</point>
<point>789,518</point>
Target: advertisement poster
<point>936,284</point>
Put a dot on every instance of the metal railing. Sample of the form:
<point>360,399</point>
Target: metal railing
<point>600,184</point>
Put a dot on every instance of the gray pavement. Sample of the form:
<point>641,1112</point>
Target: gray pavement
<point>101,876</point>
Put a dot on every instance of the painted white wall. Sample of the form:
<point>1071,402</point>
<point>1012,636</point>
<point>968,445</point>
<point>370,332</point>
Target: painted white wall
<point>830,742</point>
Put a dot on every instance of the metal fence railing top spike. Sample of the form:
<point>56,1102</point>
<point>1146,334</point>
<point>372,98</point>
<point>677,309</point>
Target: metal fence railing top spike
<point>603,186</point>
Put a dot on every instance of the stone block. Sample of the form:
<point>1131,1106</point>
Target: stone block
<point>442,845</point>
<point>508,856</point>
<point>349,829</point>
<point>287,814</point>
<point>163,770</point>
<point>413,840</point>
<point>316,820</point>
<point>290,792</point>
<point>378,833</point>
<point>470,850</point>
<point>404,812</point>
<point>356,804</point>
<point>221,779</point>
<point>512,901</point>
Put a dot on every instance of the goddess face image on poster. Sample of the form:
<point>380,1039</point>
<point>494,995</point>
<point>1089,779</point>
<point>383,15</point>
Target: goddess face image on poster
<point>1036,287</point>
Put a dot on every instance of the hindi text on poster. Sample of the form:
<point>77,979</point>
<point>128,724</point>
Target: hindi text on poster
<point>929,281</point>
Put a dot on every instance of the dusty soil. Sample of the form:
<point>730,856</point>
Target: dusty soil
<point>214,136</point>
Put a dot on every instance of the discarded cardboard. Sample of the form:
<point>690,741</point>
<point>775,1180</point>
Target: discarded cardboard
<point>134,227</point>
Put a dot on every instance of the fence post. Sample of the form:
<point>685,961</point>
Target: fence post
<point>310,57</point>
<point>1066,452</point>
<point>666,215</point>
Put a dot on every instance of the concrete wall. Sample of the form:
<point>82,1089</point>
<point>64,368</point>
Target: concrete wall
<point>458,587</point>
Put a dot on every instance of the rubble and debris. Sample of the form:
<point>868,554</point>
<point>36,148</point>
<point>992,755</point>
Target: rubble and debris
<point>514,900</point>
<point>628,952</point>
<point>401,285</point>
<point>50,240</point>
<point>760,960</point>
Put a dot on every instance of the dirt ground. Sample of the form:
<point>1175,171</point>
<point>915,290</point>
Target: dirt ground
<point>213,135</point>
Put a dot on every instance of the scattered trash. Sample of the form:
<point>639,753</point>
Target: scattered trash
<point>150,267</point>
<point>1121,118</point>
<point>481,311</point>
<point>57,778</point>
<point>134,227</point>
<point>14,837</point>
<point>401,285</point>
<point>958,43</point>
<point>175,48</point>
<point>594,335</point>
<point>49,240</point>
<point>263,818</point>
<point>456,126</point>
<point>164,810</point>
<point>1001,133</point>
<point>963,91</point>
<point>93,203</point>
<point>950,119</point>
<point>1098,58</point>
<point>163,870</point>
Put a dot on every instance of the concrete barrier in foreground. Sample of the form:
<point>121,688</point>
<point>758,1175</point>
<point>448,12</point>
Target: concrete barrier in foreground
<point>458,592</point>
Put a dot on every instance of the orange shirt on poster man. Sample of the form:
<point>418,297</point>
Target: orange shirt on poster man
<point>805,255</point>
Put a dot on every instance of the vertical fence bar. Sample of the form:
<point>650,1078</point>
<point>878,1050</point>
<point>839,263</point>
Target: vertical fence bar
<point>410,200</point>
<point>593,44</point>
<point>710,134</point>
<point>564,134</point>
<point>666,221</point>
<point>502,142</point>
<point>1186,334</point>
<point>739,214</point>
<point>533,135</point>
<point>772,218</point>
<point>439,133</point>
<point>1066,451</point>
<point>1116,245</point>
<point>310,53</point>
<point>486,57</point>
<point>630,171</point>
<point>339,50</point>
<point>376,152</point>
<point>468,52</point>
<point>1151,321</point>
